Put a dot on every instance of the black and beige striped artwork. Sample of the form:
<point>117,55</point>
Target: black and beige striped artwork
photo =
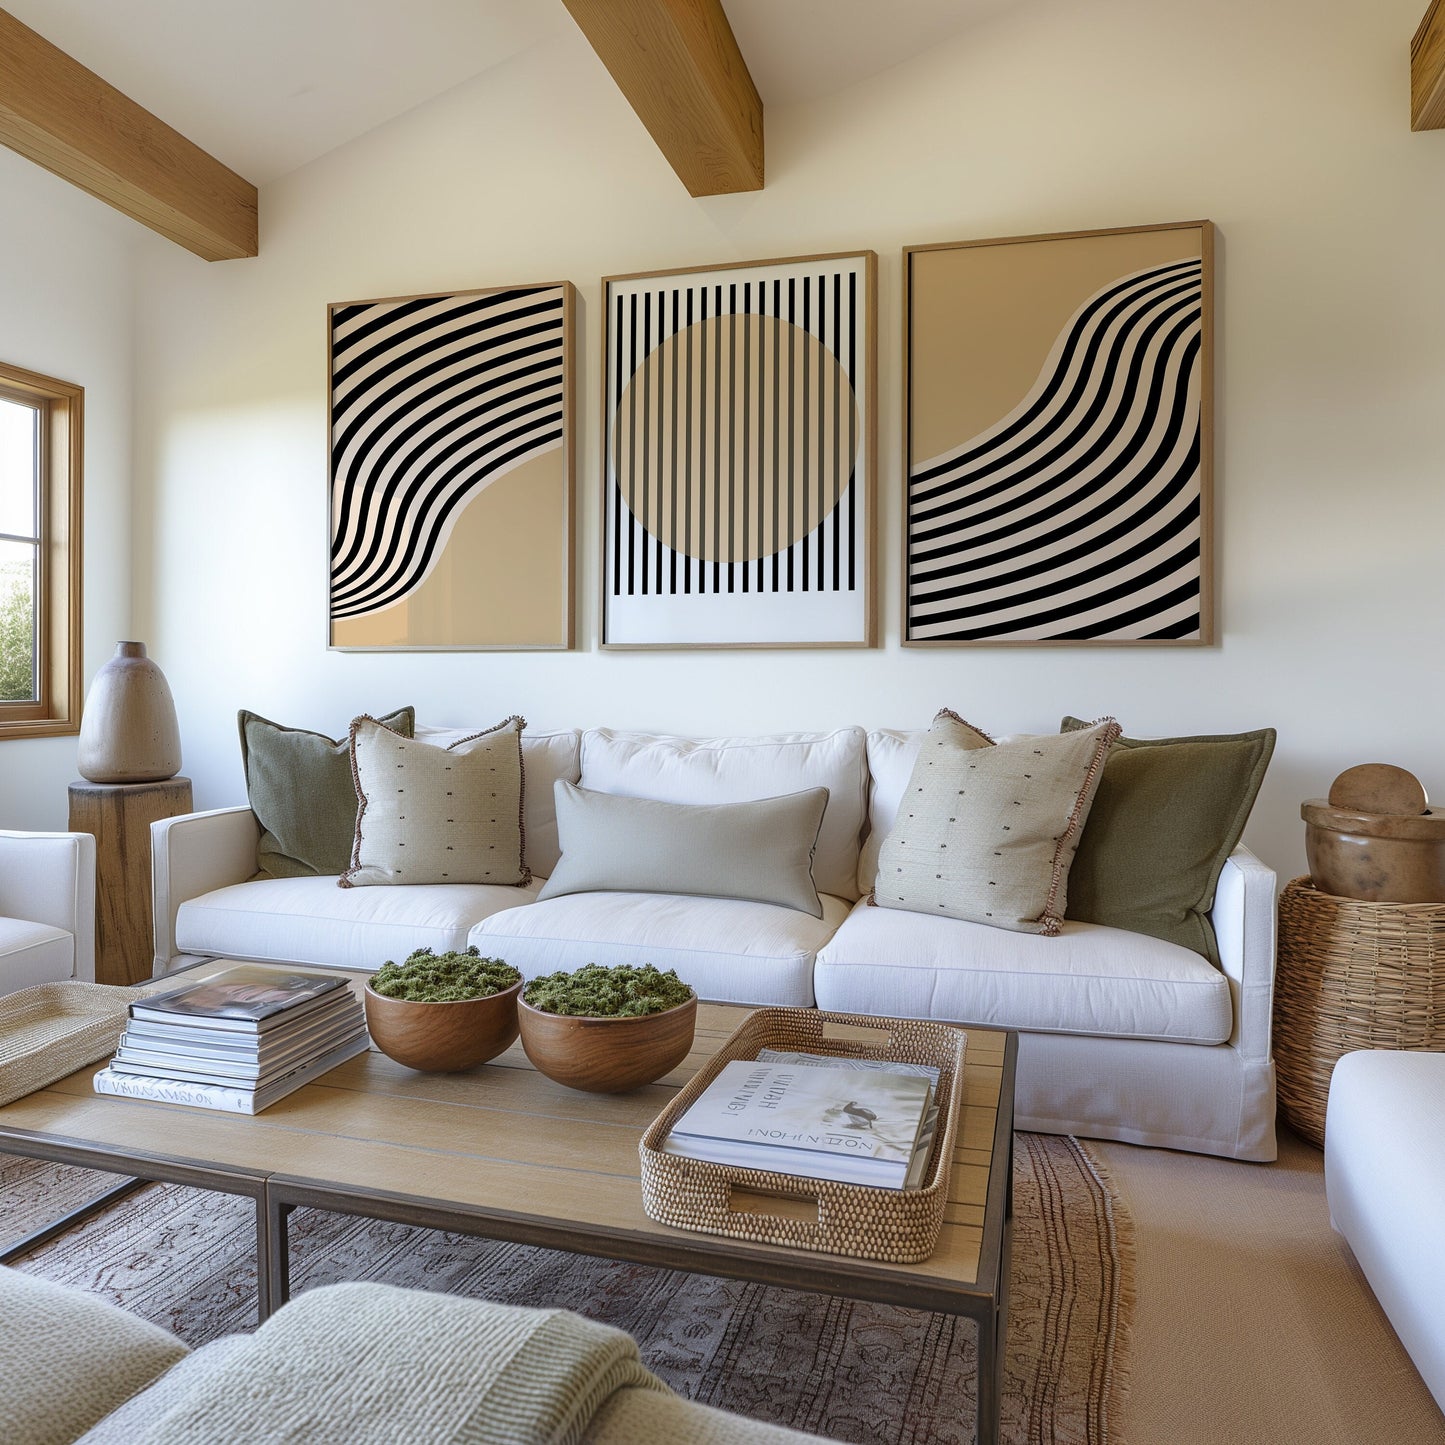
<point>1075,512</point>
<point>450,470</point>
<point>738,455</point>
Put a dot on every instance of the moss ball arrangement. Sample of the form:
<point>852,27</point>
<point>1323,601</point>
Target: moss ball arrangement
<point>596,992</point>
<point>428,977</point>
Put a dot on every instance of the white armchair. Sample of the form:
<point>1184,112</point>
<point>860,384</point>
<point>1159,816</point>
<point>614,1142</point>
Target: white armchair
<point>47,908</point>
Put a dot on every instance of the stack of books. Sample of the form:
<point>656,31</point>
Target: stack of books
<point>237,1041</point>
<point>856,1121</point>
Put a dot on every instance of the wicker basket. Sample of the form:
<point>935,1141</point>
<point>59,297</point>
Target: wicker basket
<point>899,1226</point>
<point>1350,975</point>
<point>52,1029</point>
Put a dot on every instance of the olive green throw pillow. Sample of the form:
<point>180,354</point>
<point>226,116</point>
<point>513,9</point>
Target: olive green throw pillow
<point>300,789</point>
<point>1168,812</point>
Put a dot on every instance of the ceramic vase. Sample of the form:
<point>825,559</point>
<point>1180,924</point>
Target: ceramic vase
<point>128,731</point>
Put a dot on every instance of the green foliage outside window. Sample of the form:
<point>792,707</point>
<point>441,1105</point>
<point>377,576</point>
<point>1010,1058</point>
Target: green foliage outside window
<point>17,634</point>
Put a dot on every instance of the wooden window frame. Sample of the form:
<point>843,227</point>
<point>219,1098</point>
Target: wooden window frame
<point>58,586</point>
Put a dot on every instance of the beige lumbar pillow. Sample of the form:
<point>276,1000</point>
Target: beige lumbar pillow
<point>437,815</point>
<point>986,832</point>
<point>760,851</point>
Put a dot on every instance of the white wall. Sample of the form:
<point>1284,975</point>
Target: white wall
<point>66,294</point>
<point>1286,124</point>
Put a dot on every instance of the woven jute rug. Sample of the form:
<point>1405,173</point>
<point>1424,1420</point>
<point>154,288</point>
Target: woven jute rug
<point>850,1372</point>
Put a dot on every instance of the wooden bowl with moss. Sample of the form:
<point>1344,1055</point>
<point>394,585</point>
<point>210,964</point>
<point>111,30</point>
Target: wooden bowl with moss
<point>443,1012</point>
<point>607,1030</point>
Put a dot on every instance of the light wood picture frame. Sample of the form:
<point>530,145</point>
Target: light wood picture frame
<point>1058,417</point>
<point>451,424</point>
<point>739,455</point>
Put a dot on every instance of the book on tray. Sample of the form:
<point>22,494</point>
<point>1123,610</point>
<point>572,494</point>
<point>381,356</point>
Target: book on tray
<point>238,1041</point>
<point>856,1121</point>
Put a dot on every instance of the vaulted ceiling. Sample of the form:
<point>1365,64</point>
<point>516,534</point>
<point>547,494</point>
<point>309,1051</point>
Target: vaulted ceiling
<point>242,94</point>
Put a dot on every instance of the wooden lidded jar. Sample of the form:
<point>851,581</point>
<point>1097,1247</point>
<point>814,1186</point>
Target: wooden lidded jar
<point>1376,838</point>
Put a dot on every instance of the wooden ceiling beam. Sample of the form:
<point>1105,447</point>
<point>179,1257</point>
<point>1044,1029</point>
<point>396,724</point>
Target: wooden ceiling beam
<point>64,117</point>
<point>680,68</point>
<point>1427,71</point>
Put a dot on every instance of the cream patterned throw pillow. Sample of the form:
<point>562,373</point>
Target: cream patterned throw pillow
<point>986,832</point>
<point>437,815</point>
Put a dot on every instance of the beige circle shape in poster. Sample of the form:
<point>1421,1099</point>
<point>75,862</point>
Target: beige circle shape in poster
<point>735,437</point>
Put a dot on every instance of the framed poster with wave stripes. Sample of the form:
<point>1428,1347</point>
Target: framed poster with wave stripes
<point>738,455</point>
<point>451,423</point>
<point>1057,438</point>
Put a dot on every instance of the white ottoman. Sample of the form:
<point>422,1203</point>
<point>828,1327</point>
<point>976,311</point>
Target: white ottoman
<point>1385,1178</point>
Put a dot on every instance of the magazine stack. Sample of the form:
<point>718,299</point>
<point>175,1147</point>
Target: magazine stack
<point>854,1121</point>
<point>237,1041</point>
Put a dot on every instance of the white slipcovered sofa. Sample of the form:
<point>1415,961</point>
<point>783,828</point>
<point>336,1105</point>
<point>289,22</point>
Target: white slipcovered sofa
<point>47,908</point>
<point>1385,1178</point>
<point>1122,1036</point>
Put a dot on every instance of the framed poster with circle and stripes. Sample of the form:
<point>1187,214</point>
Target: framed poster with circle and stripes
<point>1057,438</point>
<point>738,455</point>
<point>451,517</point>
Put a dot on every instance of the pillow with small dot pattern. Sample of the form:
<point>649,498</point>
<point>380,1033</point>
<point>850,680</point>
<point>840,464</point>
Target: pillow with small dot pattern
<point>429,814</point>
<point>986,831</point>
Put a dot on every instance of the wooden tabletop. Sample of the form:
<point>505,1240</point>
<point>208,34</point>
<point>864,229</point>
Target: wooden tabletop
<point>505,1140</point>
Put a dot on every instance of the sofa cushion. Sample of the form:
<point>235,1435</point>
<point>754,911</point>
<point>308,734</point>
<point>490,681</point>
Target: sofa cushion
<point>432,814</point>
<point>987,832</point>
<point>1087,980</point>
<point>734,770</point>
<point>33,953</point>
<point>761,850</point>
<point>312,921</point>
<point>300,788</point>
<point>546,757</point>
<point>67,1359</point>
<point>1168,812</point>
<point>728,950</point>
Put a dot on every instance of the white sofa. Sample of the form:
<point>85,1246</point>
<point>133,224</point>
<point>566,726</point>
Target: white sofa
<point>1385,1178</point>
<point>1121,1036</point>
<point>47,908</point>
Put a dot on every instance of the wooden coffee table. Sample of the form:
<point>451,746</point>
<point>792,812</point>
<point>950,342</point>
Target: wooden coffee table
<point>505,1153</point>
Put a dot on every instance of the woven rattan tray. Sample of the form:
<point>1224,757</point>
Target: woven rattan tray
<point>52,1029</point>
<point>896,1225</point>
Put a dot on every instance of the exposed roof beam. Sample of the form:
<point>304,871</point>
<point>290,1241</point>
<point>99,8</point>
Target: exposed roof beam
<point>680,68</point>
<point>66,118</point>
<point>1427,71</point>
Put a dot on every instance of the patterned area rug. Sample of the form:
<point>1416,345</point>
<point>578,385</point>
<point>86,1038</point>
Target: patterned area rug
<point>850,1372</point>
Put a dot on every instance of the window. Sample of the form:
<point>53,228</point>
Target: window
<point>40,451</point>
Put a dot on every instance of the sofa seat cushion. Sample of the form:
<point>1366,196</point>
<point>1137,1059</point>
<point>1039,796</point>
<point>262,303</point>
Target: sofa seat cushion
<point>1087,980</point>
<point>33,953</point>
<point>312,921</point>
<point>729,950</point>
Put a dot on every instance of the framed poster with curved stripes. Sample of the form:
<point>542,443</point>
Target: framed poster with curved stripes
<point>738,455</point>
<point>1057,438</point>
<point>451,516</point>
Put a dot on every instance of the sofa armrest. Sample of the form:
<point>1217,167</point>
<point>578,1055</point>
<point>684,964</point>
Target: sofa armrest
<point>1244,925</point>
<point>50,878</point>
<point>191,855</point>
